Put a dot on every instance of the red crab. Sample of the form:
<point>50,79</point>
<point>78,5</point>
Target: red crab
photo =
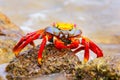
<point>62,35</point>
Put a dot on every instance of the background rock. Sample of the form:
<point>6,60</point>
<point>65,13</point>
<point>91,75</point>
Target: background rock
<point>9,35</point>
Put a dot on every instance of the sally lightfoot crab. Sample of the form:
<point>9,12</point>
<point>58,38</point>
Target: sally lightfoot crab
<point>62,35</point>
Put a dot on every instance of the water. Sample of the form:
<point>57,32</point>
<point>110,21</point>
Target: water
<point>88,14</point>
<point>2,71</point>
<point>98,19</point>
<point>93,17</point>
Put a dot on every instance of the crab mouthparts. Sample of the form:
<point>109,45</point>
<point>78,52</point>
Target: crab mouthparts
<point>64,38</point>
<point>63,35</point>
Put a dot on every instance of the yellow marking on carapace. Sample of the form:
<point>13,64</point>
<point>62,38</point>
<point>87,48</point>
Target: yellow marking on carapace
<point>64,26</point>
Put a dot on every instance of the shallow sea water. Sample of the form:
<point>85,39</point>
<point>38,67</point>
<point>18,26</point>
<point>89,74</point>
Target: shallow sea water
<point>98,19</point>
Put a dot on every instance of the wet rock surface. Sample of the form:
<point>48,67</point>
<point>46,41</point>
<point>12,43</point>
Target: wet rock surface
<point>9,34</point>
<point>54,61</point>
<point>57,61</point>
<point>106,68</point>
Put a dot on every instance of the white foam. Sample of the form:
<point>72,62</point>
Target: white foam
<point>41,15</point>
<point>33,19</point>
<point>26,29</point>
<point>81,18</point>
<point>2,71</point>
<point>69,1</point>
<point>87,2</point>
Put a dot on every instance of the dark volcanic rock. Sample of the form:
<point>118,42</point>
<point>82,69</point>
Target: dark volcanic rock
<point>106,68</point>
<point>56,61</point>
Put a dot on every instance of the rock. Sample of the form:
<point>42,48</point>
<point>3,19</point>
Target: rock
<point>106,68</point>
<point>6,24</point>
<point>56,61</point>
<point>9,35</point>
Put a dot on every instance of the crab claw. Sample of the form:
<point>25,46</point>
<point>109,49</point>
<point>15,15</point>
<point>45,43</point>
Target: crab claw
<point>25,40</point>
<point>88,44</point>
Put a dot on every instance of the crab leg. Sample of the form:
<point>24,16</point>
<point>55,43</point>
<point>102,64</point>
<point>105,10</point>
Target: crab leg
<point>96,49</point>
<point>89,44</point>
<point>86,45</point>
<point>25,41</point>
<point>45,39</point>
<point>86,48</point>
<point>24,38</point>
<point>75,43</point>
<point>78,49</point>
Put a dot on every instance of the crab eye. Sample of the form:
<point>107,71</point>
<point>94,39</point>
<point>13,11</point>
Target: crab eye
<point>74,25</point>
<point>52,30</point>
<point>54,24</point>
